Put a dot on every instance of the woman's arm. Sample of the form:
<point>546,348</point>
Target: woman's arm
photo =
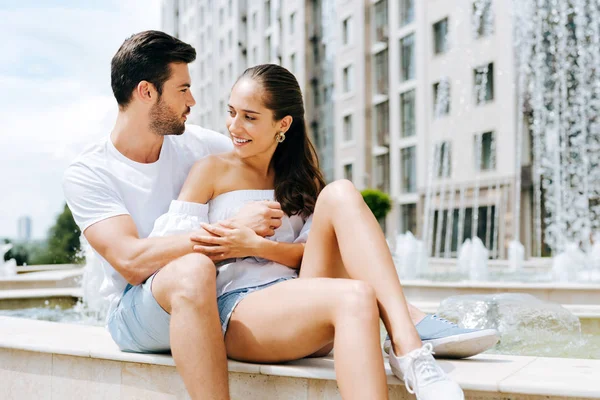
<point>199,184</point>
<point>288,254</point>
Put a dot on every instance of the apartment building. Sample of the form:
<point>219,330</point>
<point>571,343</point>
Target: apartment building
<point>416,98</point>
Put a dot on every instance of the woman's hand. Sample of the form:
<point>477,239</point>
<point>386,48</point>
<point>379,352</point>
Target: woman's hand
<point>229,240</point>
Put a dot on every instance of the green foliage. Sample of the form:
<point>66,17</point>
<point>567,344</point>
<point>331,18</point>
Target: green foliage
<point>19,252</point>
<point>379,202</point>
<point>63,245</point>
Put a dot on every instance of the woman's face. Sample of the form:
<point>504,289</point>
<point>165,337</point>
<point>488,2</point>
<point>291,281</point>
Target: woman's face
<point>251,125</point>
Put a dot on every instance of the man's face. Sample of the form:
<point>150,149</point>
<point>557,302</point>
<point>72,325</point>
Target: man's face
<point>169,113</point>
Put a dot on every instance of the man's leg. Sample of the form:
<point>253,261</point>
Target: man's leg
<point>186,289</point>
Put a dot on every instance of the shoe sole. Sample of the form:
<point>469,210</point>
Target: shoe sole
<point>460,346</point>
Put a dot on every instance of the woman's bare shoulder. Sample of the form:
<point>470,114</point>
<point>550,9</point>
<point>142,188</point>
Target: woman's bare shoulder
<point>204,177</point>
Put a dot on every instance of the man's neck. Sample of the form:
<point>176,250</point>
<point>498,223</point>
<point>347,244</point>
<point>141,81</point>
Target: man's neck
<point>132,137</point>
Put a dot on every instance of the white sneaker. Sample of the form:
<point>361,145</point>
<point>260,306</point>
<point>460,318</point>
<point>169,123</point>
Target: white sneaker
<point>423,377</point>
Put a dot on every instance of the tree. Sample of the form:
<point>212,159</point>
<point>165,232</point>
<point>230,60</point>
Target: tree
<point>63,242</point>
<point>19,252</point>
<point>379,202</point>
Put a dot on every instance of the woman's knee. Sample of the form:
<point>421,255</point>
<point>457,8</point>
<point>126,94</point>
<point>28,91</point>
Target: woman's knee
<point>340,192</point>
<point>357,298</point>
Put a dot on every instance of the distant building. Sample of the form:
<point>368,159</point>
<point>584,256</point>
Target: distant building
<point>24,228</point>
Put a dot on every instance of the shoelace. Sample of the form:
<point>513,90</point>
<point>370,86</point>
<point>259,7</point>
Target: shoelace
<point>426,369</point>
<point>443,320</point>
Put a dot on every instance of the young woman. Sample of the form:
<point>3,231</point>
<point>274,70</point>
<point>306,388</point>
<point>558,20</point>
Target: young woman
<point>326,276</point>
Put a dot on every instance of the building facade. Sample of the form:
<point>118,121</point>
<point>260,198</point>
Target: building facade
<point>414,98</point>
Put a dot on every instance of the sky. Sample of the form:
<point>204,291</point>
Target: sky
<point>55,95</point>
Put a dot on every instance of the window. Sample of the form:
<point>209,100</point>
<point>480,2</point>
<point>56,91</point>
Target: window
<point>407,12</point>
<point>346,31</point>
<point>440,36</point>
<point>348,133</point>
<point>221,46</point>
<point>221,16</point>
<point>201,16</point>
<point>408,163</point>
<point>230,8</point>
<point>407,113</point>
<point>408,218</point>
<point>201,70</point>
<point>483,19</point>
<point>441,98</point>
<point>382,124</point>
<point>229,39</point>
<point>382,173</point>
<point>484,83</point>
<point>255,56</point>
<point>347,79</point>
<point>293,63</point>
<point>407,55</point>
<point>230,72</point>
<point>444,160</point>
<point>254,21</point>
<point>221,78</point>
<point>267,13</point>
<point>485,149</point>
<point>381,21</point>
<point>202,40</point>
<point>348,172</point>
<point>381,72</point>
<point>292,22</point>
<point>268,48</point>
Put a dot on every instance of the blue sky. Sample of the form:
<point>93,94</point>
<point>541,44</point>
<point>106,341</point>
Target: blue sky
<point>55,95</point>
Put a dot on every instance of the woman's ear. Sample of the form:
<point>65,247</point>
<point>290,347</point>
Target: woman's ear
<point>286,123</point>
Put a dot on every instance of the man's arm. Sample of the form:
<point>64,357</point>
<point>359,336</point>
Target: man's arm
<point>117,240</point>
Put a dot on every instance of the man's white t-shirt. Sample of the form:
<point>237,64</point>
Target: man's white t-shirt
<point>102,183</point>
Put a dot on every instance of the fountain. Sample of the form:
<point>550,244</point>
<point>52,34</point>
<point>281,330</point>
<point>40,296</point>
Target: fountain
<point>557,54</point>
<point>7,268</point>
<point>527,325</point>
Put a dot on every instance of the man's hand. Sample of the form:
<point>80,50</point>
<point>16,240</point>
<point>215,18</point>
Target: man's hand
<point>263,217</point>
<point>229,240</point>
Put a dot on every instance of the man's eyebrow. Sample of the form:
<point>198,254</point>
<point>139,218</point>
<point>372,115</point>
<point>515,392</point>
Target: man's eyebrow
<point>246,111</point>
<point>187,85</point>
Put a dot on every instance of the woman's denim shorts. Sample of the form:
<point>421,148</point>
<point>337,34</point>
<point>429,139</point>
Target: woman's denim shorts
<point>229,300</point>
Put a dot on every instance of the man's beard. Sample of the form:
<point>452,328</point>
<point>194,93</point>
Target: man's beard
<point>163,121</point>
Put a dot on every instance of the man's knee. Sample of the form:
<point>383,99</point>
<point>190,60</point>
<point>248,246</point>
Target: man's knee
<point>190,280</point>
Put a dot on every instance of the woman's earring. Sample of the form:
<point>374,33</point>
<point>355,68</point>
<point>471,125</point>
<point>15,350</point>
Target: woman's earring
<point>280,137</point>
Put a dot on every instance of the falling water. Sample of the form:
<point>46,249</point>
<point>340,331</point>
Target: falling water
<point>558,51</point>
<point>475,212</point>
<point>438,167</point>
<point>442,197</point>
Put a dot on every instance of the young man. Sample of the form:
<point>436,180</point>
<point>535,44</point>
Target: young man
<point>162,290</point>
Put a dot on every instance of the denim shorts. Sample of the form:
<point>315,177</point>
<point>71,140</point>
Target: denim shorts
<point>228,301</point>
<point>139,324</point>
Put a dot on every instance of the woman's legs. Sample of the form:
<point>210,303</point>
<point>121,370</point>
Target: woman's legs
<point>296,318</point>
<point>343,221</point>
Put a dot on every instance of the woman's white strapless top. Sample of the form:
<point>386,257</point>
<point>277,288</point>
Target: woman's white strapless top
<point>236,273</point>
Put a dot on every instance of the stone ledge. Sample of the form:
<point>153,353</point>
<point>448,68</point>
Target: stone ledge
<point>482,377</point>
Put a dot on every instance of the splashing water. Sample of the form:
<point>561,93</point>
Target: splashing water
<point>527,325</point>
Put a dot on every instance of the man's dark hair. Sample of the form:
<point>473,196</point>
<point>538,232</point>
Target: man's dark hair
<point>146,56</point>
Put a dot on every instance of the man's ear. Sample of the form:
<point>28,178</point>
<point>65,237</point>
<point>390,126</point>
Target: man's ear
<point>146,92</point>
<point>286,123</point>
